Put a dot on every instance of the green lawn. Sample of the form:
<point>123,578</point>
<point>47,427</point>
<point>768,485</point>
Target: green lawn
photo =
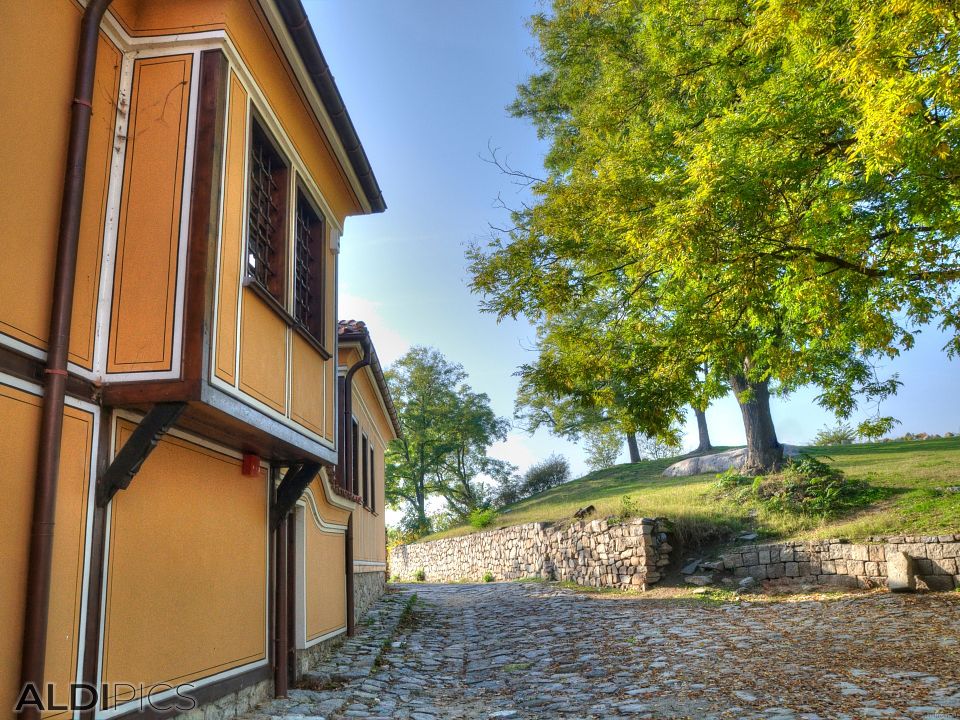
<point>915,473</point>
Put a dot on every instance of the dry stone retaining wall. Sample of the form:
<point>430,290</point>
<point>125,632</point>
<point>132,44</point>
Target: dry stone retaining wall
<point>840,562</point>
<point>597,553</point>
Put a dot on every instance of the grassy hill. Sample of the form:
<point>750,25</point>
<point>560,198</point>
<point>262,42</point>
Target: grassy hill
<point>914,476</point>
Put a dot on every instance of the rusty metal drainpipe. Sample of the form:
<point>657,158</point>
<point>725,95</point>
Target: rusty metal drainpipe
<point>347,465</point>
<point>33,652</point>
<point>281,677</point>
<point>348,563</point>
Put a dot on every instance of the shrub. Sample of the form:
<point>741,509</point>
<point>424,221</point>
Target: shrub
<point>629,508</point>
<point>730,480</point>
<point>805,486</point>
<point>550,473</point>
<point>842,434</point>
<point>509,491</point>
<point>399,536</point>
<point>420,575</point>
<point>488,577</point>
<point>482,518</point>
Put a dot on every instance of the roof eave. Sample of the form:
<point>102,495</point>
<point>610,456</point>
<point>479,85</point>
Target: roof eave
<point>301,33</point>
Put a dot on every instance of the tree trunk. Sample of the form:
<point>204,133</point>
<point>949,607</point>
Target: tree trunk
<point>704,445</point>
<point>764,453</point>
<point>421,510</point>
<point>634,449</point>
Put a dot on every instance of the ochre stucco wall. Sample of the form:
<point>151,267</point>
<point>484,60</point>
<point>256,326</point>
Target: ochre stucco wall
<point>187,567</point>
<point>369,528</point>
<point>38,55</point>
<point>20,416</point>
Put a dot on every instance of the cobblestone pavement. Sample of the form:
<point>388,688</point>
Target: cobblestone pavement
<point>529,650</point>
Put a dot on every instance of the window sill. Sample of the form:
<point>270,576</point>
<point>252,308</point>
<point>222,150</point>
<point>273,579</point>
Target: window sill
<point>290,320</point>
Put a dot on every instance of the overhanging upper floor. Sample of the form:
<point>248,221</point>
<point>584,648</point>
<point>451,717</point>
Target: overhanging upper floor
<point>221,168</point>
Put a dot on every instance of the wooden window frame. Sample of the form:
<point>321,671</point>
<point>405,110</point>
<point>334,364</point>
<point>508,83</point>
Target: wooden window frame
<point>373,480</point>
<point>310,313</point>
<point>365,444</point>
<point>274,284</point>
<point>355,456</point>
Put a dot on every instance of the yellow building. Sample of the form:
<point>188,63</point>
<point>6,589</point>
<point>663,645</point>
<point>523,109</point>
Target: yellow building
<point>368,423</point>
<point>177,177</point>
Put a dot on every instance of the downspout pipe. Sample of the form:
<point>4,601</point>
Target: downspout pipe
<point>281,670</point>
<point>348,564</point>
<point>33,651</point>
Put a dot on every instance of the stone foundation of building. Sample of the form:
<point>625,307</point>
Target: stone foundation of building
<point>367,589</point>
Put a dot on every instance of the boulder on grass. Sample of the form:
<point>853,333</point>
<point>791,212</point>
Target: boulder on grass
<point>717,462</point>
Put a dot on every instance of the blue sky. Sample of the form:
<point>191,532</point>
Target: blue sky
<point>427,84</point>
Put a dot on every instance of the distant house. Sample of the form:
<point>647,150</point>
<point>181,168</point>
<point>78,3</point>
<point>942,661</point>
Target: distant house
<point>369,422</point>
<point>176,180</point>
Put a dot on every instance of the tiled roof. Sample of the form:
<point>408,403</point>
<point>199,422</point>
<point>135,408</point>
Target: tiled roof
<point>351,327</point>
<point>356,331</point>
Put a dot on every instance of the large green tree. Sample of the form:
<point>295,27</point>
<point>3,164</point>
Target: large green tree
<point>447,430</point>
<point>776,182</point>
<point>471,428</point>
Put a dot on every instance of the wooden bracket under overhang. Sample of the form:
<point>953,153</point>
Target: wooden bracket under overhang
<point>296,480</point>
<point>128,461</point>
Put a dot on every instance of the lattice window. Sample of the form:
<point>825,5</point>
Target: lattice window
<point>266,212</point>
<point>308,268</point>
<point>355,458</point>
<point>366,472</point>
<point>373,480</point>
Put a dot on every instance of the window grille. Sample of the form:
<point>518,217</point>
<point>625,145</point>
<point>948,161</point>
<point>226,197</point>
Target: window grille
<point>355,458</point>
<point>265,214</point>
<point>366,472</point>
<point>373,481</point>
<point>308,268</point>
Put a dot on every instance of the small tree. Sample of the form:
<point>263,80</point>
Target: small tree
<point>508,491</point>
<point>549,473</point>
<point>603,448</point>
<point>655,448</point>
<point>447,429</point>
<point>841,434</point>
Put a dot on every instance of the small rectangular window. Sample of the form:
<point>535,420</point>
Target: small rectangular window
<point>355,459</point>
<point>366,471</point>
<point>308,268</point>
<point>266,214</point>
<point>373,481</point>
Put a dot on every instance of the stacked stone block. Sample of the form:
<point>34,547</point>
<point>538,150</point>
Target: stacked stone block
<point>367,589</point>
<point>597,553</point>
<point>840,562</point>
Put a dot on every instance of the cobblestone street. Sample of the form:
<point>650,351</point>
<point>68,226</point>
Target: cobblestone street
<point>530,650</point>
